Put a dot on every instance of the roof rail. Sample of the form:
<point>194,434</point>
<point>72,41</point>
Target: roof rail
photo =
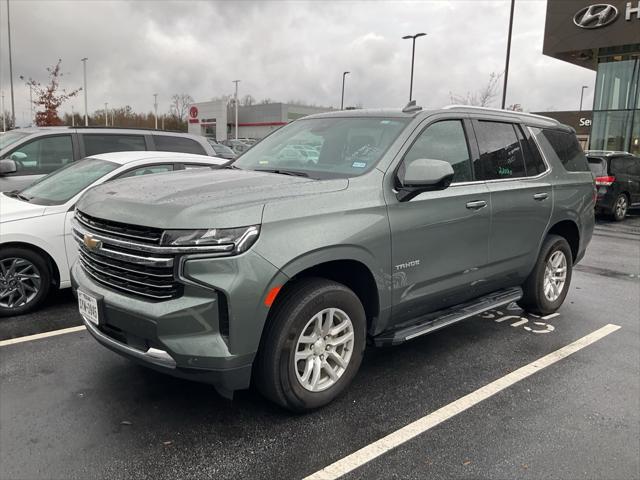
<point>411,107</point>
<point>102,127</point>
<point>499,110</point>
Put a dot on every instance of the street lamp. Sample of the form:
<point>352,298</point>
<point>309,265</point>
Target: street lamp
<point>28,84</point>
<point>155,108</point>
<point>582,95</point>
<point>84,69</point>
<point>106,115</point>
<point>235,101</point>
<point>506,62</point>
<point>413,54</point>
<point>344,74</point>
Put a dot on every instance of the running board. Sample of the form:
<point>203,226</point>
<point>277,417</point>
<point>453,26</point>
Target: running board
<point>443,318</point>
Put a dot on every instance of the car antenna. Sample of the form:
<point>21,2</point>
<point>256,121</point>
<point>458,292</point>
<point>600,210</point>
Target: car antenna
<point>411,107</point>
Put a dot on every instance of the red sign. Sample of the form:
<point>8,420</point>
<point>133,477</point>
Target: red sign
<point>193,112</point>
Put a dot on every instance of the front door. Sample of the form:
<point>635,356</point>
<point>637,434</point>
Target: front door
<point>439,238</point>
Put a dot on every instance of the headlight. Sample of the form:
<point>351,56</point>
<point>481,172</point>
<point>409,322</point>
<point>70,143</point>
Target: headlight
<point>236,240</point>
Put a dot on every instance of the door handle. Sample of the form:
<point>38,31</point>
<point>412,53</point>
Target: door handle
<point>476,204</point>
<point>540,196</point>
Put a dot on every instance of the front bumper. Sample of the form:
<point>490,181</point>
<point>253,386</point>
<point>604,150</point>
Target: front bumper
<point>209,334</point>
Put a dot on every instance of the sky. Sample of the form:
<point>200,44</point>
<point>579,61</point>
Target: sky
<point>284,50</point>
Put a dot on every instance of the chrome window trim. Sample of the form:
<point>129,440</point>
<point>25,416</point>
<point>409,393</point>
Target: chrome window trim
<point>526,177</point>
<point>222,249</point>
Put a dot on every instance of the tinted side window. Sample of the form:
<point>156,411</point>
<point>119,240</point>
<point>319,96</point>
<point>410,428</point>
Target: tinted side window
<point>500,151</point>
<point>621,165</point>
<point>446,141</point>
<point>105,143</point>
<point>166,143</point>
<point>562,146</point>
<point>43,155</point>
<point>533,161</point>
<point>147,170</point>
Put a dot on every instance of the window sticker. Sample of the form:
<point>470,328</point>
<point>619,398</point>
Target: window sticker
<point>358,164</point>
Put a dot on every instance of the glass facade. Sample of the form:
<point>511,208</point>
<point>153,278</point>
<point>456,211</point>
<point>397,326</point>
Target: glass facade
<point>616,107</point>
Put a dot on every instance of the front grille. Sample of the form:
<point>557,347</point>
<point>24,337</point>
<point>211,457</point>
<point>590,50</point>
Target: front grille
<point>128,270</point>
<point>123,231</point>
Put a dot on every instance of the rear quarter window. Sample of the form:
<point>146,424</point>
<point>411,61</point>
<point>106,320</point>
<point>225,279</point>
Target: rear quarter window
<point>168,143</point>
<point>598,166</point>
<point>562,146</point>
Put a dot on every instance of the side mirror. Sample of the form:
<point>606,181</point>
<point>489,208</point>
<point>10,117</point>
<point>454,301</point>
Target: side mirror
<point>18,156</point>
<point>423,175</point>
<point>8,165</point>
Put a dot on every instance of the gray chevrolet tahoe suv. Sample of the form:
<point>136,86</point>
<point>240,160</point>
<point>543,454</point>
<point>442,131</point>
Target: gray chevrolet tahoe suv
<point>279,270</point>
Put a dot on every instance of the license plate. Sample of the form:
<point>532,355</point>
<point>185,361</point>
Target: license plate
<point>88,307</point>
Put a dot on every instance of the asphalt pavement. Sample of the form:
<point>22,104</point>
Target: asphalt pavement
<point>71,409</point>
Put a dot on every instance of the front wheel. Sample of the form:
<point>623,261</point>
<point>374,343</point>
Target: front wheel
<point>313,345</point>
<point>25,280</point>
<point>546,287</point>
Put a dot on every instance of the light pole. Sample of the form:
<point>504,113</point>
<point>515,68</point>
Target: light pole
<point>73,117</point>
<point>106,115</point>
<point>235,101</point>
<point>28,84</point>
<point>344,74</point>
<point>413,54</point>
<point>506,63</point>
<point>84,69</point>
<point>582,95</point>
<point>13,108</point>
<point>4,121</point>
<point>155,108</point>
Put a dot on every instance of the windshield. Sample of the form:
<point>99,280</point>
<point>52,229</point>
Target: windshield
<point>598,166</point>
<point>62,185</point>
<point>325,147</point>
<point>221,149</point>
<point>9,138</point>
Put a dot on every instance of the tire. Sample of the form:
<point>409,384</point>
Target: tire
<point>620,208</point>
<point>277,374</point>
<point>25,280</point>
<point>538,297</point>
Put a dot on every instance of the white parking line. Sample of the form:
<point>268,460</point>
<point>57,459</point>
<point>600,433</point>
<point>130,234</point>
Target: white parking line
<point>403,435</point>
<point>521,322</point>
<point>38,336</point>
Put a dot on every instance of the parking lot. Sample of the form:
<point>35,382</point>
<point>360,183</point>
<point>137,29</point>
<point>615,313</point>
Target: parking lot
<point>72,409</point>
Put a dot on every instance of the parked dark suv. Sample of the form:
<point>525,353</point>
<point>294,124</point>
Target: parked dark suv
<point>618,181</point>
<point>282,268</point>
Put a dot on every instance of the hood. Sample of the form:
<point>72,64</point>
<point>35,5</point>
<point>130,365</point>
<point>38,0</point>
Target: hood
<point>12,209</point>
<point>224,198</point>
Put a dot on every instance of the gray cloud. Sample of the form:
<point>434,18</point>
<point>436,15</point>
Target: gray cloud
<point>285,50</point>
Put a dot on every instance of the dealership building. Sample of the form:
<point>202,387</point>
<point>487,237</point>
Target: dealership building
<point>604,37</point>
<point>216,118</point>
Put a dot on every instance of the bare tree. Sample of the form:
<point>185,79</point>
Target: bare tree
<point>483,97</point>
<point>516,107</point>
<point>247,100</point>
<point>180,105</point>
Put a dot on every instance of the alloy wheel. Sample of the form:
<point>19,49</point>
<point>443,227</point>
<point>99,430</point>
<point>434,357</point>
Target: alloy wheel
<point>621,206</point>
<point>555,275</point>
<point>19,282</point>
<point>324,349</point>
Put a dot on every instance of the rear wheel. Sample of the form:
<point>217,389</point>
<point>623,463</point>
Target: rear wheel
<point>313,346</point>
<point>546,287</point>
<point>620,208</point>
<point>25,280</point>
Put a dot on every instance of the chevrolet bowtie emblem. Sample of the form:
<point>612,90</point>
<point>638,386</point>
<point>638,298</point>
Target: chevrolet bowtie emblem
<point>91,243</point>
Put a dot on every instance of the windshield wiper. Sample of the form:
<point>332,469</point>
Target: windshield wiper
<point>280,171</point>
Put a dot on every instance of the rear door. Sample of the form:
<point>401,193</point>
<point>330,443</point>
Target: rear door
<point>521,199</point>
<point>439,238</point>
